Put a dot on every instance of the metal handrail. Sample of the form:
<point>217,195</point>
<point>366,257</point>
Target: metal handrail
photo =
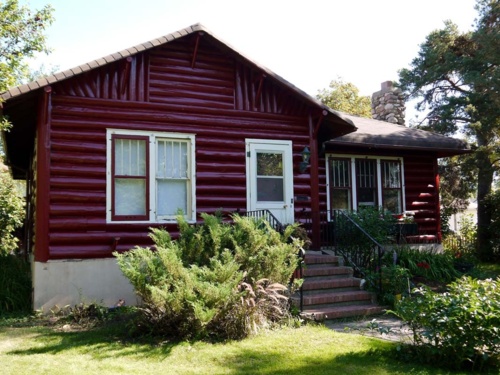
<point>268,216</point>
<point>329,236</point>
<point>378,246</point>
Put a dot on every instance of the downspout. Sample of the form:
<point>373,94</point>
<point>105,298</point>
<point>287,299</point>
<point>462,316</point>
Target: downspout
<point>43,177</point>
<point>314,173</point>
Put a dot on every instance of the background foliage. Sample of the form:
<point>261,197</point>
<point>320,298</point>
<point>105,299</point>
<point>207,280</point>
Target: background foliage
<point>456,78</point>
<point>11,213</point>
<point>344,96</point>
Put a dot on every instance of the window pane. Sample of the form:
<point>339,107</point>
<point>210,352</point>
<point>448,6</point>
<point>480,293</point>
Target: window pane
<point>340,173</point>
<point>269,164</point>
<point>367,197</point>
<point>172,159</point>
<point>340,199</point>
<point>270,189</point>
<point>366,178</point>
<point>391,174</point>
<point>130,157</point>
<point>130,196</point>
<point>172,196</point>
<point>366,173</point>
<point>392,200</point>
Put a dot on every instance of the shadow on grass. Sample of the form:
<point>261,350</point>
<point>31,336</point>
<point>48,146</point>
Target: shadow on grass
<point>375,361</point>
<point>102,342</point>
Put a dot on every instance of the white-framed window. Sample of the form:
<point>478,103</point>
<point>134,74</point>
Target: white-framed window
<point>357,180</point>
<point>150,176</point>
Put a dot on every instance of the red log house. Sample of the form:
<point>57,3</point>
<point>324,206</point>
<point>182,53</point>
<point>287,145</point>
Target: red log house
<point>120,144</point>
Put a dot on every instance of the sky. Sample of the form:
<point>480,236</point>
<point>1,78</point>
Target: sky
<point>307,42</point>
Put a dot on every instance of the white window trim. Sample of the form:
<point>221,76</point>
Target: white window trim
<point>353,177</point>
<point>190,216</point>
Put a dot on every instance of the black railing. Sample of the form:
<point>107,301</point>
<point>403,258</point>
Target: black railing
<point>267,216</point>
<point>357,247</point>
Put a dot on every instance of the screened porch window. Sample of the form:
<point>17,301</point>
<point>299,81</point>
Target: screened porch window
<point>391,186</point>
<point>366,178</point>
<point>150,176</point>
<point>357,181</point>
<point>340,184</point>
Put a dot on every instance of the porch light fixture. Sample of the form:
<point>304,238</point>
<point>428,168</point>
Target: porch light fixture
<point>306,156</point>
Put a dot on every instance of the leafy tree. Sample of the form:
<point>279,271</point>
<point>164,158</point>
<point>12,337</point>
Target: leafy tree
<point>21,37</point>
<point>456,77</point>
<point>458,182</point>
<point>344,96</point>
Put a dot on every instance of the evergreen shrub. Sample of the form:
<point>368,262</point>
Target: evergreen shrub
<point>217,280</point>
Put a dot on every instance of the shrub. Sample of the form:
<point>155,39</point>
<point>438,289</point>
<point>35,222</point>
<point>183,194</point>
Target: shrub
<point>456,328</point>
<point>394,281</point>
<point>428,263</point>
<point>376,222</point>
<point>462,245</point>
<point>11,213</point>
<point>355,247</point>
<point>194,286</point>
<point>15,284</point>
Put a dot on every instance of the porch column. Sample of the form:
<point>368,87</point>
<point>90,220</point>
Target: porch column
<point>437,202</point>
<point>41,176</point>
<point>315,216</point>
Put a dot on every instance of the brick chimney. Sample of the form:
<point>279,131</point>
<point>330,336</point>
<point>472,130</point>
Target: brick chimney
<point>388,104</point>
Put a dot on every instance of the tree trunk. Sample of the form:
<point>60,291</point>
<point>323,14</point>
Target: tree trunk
<point>484,181</point>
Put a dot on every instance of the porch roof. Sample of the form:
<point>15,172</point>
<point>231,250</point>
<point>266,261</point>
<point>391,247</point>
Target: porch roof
<point>375,134</point>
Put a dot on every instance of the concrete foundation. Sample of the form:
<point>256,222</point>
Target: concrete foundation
<point>69,282</point>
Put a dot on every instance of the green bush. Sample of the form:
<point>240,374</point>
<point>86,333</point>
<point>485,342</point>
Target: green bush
<point>429,264</point>
<point>457,328</point>
<point>394,281</point>
<point>11,213</point>
<point>193,286</point>
<point>354,245</point>
<point>15,284</point>
<point>462,245</point>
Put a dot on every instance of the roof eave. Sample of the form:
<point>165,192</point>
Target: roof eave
<point>440,152</point>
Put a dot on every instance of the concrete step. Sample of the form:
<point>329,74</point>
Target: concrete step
<point>328,313</point>
<point>311,259</point>
<point>339,297</point>
<point>327,270</point>
<point>330,283</point>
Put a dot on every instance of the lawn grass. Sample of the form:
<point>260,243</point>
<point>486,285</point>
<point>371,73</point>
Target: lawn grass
<point>308,350</point>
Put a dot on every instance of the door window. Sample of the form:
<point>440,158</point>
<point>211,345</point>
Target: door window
<point>270,177</point>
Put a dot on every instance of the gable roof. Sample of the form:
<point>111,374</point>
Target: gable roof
<point>385,135</point>
<point>14,92</point>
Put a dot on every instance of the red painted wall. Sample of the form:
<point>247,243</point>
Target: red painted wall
<point>221,100</point>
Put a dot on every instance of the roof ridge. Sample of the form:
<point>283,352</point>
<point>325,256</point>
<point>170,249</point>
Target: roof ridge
<point>100,61</point>
<point>68,73</point>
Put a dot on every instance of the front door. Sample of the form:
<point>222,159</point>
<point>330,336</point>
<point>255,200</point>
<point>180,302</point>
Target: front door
<point>270,177</point>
